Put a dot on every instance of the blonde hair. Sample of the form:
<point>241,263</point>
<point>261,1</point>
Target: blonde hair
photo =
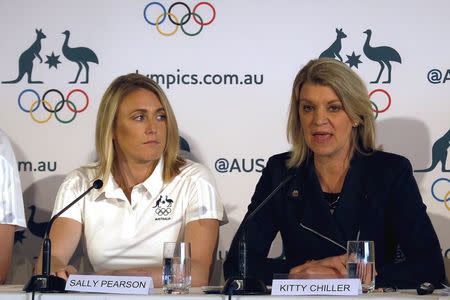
<point>353,93</point>
<point>107,111</point>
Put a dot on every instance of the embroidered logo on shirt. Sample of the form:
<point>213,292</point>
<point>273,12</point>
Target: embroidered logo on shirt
<point>163,208</point>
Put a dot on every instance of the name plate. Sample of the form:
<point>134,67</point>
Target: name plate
<point>137,285</point>
<point>296,287</point>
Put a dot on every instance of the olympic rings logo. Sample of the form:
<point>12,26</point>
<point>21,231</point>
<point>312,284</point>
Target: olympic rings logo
<point>163,211</point>
<point>446,198</point>
<point>179,22</point>
<point>56,111</point>
<point>375,108</point>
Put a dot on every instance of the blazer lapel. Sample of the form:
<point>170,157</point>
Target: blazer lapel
<point>350,210</point>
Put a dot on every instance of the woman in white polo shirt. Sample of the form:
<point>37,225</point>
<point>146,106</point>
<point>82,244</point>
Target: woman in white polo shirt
<point>151,195</point>
<point>12,216</point>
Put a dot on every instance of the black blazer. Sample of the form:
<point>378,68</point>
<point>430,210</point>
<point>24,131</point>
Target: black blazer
<point>379,198</point>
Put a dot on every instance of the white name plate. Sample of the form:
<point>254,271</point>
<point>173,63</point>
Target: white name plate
<point>137,285</point>
<point>296,287</point>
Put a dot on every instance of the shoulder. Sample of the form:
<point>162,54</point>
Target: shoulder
<point>194,171</point>
<point>275,169</point>
<point>8,163</point>
<point>384,166</point>
<point>386,160</point>
<point>81,178</point>
<point>279,160</point>
<point>4,138</point>
<point>6,150</point>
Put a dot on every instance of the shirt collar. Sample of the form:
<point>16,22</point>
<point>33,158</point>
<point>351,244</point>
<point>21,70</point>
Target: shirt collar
<point>113,190</point>
<point>153,184</point>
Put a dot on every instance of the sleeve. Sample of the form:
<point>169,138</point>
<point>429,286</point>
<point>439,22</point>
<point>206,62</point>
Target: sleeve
<point>73,186</point>
<point>260,232</point>
<point>11,198</point>
<point>417,238</point>
<point>204,199</point>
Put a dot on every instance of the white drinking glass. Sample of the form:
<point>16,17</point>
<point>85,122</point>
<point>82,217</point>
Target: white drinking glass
<point>361,263</point>
<point>176,274</point>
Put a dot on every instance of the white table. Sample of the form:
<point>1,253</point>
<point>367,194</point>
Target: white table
<point>14,292</point>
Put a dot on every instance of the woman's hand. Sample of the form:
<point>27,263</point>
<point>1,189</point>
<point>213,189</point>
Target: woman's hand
<point>65,272</point>
<point>334,266</point>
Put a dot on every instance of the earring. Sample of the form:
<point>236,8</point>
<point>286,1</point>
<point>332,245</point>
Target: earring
<point>355,124</point>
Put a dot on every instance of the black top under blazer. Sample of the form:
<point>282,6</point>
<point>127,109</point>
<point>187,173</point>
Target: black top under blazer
<point>380,198</point>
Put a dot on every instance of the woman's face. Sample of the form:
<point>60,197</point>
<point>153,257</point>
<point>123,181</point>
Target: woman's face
<point>140,128</point>
<point>326,126</point>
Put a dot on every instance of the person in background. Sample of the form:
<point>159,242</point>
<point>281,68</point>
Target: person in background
<point>12,215</point>
<point>151,195</point>
<point>343,188</point>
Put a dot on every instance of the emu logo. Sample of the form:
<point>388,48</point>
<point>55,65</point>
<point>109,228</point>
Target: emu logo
<point>79,55</point>
<point>382,55</point>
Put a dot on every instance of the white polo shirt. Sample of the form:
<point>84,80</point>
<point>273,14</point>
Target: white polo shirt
<point>11,200</point>
<point>119,234</point>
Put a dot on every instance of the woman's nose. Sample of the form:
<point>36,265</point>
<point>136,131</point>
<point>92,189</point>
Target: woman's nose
<point>150,127</point>
<point>320,117</point>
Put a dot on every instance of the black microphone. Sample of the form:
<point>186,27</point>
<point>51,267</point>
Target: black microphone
<point>243,284</point>
<point>47,282</point>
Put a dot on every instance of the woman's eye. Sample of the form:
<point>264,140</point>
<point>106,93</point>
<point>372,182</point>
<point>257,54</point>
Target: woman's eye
<point>335,108</point>
<point>139,117</point>
<point>161,117</point>
<point>307,108</point>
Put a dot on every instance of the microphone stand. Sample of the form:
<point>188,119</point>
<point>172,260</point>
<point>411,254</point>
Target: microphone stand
<point>243,284</point>
<point>47,283</point>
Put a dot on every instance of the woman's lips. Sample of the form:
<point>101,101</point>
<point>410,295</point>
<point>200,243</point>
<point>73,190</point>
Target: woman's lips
<point>322,137</point>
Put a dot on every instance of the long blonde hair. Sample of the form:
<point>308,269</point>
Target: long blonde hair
<point>107,111</point>
<point>353,93</point>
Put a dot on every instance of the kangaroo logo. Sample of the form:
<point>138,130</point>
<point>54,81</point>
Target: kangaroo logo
<point>335,48</point>
<point>27,57</point>
<point>439,153</point>
<point>158,202</point>
<point>382,55</point>
<point>80,55</point>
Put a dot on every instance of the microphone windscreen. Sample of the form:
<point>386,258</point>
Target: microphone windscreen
<point>97,184</point>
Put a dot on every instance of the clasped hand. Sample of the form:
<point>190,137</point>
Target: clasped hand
<point>334,266</point>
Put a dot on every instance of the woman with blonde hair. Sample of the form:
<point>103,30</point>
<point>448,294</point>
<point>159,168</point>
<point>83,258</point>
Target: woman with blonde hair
<point>342,189</point>
<point>151,195</point>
